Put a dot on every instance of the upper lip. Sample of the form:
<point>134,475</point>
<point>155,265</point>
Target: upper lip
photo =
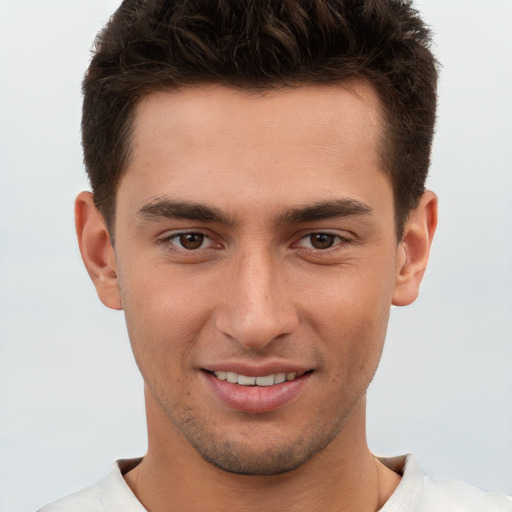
<point>257,370</point>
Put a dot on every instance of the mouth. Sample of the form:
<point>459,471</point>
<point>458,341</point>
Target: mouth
<point>257,393</point>
<point>263,381</point>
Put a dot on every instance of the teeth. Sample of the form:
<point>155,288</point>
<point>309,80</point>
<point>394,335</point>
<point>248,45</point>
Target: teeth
<point>280,377</point>
<point>268,380</point>
<point>232,377</point>
<point>244,380</point>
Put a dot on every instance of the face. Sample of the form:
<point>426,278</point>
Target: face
<point>256,259</point>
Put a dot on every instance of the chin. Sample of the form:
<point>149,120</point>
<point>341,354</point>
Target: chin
<point>267,462</point>
<point>257,453</point>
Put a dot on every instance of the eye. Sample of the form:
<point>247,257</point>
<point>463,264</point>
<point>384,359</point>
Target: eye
<point>190,241</point>
<point>320,241</point>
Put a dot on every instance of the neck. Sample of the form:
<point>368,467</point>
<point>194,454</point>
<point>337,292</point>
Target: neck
<point>344,476</point>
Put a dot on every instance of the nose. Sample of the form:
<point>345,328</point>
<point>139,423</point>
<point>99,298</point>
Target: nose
<point>257,306</point>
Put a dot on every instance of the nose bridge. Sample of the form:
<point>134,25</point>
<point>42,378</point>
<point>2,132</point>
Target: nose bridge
<point>258,278</point>
<point>257,308</point>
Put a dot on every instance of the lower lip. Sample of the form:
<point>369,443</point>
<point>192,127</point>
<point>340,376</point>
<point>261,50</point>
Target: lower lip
<point>256,399</point>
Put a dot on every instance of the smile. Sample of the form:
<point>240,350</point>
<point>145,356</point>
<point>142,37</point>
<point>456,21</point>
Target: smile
<point>245,380</point>
<point>257,393</point>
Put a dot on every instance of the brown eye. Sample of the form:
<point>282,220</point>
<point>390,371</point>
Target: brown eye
<point>322,240</point>
<point>191,241</point>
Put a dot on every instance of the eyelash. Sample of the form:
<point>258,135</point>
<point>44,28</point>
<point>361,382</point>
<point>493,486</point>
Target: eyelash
<point>171,242</point>
<point>338,242</point>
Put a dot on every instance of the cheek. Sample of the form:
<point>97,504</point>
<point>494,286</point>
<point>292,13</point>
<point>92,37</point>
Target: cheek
<point>357,296</point>
<point>162,296</point>
<point>351,314</point>
<point>163,316</point>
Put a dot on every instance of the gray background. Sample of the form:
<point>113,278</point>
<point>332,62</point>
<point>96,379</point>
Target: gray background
<point>70,395</point>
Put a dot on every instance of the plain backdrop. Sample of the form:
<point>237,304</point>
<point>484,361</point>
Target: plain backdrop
<point>70,395</point>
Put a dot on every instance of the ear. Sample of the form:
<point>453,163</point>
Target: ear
<point>413,250</point>
<point>97,251</point>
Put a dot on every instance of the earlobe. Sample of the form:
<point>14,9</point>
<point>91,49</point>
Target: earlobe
<point>96,250</point>
<point>413,250</point>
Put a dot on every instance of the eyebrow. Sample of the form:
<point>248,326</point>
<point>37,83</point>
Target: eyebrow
<point>169,209</point>
<point>184,210</point>
<point>325,210</point>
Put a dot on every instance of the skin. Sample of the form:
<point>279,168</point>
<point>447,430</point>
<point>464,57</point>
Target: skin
<point>260,285</point>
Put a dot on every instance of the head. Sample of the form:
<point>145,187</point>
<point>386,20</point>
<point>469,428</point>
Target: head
<point>256,163</point>
<point>152,45</point>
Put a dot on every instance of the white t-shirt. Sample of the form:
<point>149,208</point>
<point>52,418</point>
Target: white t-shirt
<point>415,493</point>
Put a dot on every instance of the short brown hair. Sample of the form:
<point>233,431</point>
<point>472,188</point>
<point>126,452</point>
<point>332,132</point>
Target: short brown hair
<point>150,45</point>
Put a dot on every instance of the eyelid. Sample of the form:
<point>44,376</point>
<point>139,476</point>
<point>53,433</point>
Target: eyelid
<point>168,237</point>
<point>342,241</point>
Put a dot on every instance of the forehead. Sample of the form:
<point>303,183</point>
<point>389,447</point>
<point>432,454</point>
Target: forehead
<point>295,143</point>
<point>321,113</point>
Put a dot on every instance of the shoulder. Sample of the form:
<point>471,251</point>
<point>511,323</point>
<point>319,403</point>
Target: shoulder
<point>110,494</point>
<point>418,492</point>
<point>86,500</point>
<point>460,497</point>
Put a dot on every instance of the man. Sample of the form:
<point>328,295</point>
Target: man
<point>258,205</point>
